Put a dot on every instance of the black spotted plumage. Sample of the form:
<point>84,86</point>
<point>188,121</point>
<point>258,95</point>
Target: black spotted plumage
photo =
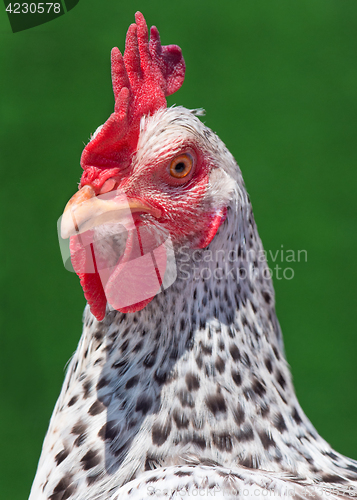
<point>193,390</point>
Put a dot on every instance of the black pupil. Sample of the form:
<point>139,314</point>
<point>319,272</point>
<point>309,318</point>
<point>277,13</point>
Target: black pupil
<point>180,167</point>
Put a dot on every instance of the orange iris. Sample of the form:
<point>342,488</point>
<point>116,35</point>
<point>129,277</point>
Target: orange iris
<point>181,166</point>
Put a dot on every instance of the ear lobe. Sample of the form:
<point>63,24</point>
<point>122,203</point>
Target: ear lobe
<point>214,222</point>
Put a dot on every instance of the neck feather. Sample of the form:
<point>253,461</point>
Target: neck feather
<point>200,373</point>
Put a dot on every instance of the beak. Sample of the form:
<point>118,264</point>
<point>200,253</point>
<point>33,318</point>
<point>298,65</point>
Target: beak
<point>86,211</point>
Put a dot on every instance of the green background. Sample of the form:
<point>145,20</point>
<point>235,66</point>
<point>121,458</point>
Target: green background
<point>278,80</point>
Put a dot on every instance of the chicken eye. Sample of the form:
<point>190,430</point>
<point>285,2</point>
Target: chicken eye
<point>181,166</point>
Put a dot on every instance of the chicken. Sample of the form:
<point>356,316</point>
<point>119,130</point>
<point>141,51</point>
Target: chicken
<point>179,385</point>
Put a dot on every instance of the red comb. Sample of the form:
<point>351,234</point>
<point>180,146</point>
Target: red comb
<point>141,79</point>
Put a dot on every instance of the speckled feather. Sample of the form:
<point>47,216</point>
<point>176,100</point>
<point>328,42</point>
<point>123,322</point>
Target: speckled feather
<point>195,386</point>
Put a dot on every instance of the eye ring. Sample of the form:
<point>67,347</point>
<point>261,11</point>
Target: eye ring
<point>181,166</point>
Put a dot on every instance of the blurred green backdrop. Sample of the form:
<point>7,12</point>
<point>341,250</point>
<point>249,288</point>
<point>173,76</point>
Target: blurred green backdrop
<point>278,80</point>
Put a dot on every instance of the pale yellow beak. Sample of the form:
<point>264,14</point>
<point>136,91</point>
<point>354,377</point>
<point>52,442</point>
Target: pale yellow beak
<point>86,211</point>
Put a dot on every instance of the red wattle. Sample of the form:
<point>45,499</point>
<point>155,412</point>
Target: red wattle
<point>129,285</point>
<point>137,277</point>
<point>83,261</point>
